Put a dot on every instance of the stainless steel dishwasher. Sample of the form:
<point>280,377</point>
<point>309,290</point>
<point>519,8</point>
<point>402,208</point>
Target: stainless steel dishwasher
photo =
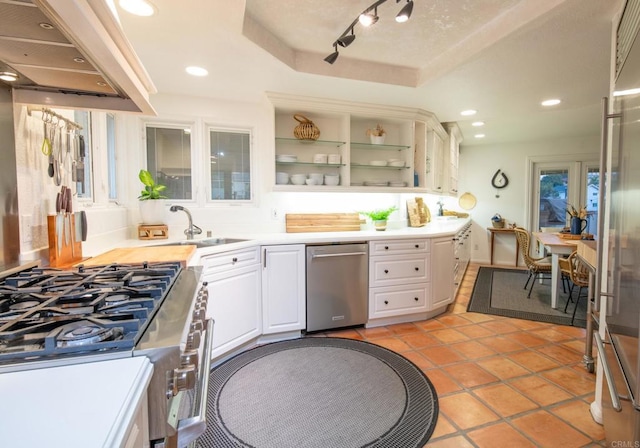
<point>337,285</point>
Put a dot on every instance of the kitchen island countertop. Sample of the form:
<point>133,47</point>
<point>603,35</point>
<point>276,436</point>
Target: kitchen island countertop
<point>81,405</point>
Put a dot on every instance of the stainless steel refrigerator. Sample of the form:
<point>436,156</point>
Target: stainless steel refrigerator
<point>621,290</point>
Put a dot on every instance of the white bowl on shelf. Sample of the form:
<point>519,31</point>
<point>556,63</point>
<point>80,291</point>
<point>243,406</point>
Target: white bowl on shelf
<point>282,178</point>
<point>378,163</point>
<point>332,179</point>
<point>310,181</point>
<point>298,179</point>
<point>317,178</point>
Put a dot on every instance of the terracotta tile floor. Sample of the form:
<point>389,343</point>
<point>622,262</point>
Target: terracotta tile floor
<point>501,382</point>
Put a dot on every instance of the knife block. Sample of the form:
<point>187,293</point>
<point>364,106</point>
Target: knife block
<point>63,251</point>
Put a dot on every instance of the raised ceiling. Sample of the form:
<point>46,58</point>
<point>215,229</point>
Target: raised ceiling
<point>501,57</point>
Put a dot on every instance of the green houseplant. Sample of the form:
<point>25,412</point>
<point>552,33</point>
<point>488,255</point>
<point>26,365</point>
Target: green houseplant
<point>152,204</point>
<point>380,216</point>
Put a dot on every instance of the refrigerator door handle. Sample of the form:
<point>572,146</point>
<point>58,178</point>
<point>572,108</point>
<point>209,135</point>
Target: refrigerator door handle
<point>615,400</point>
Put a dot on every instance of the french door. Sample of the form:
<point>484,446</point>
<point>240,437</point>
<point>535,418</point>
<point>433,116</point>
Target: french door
<point>558,185</point>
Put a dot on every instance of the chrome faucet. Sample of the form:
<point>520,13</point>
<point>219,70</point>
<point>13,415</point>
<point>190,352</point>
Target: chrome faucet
<point>192,229</point>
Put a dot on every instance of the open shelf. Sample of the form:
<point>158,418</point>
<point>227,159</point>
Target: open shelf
<point>310,142</point>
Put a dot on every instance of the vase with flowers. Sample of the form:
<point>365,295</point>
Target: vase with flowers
<point>377,135</point>
<point>577,219</point>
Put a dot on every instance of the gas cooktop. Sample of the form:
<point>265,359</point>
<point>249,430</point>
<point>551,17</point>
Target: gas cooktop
<point>46,312</point>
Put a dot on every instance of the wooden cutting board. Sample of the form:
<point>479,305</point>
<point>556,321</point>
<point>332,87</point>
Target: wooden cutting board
<point>156,254</point>
<point>322,222</point>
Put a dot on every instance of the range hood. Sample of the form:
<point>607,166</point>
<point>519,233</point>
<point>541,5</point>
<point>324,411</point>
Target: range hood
<point>71,54</point>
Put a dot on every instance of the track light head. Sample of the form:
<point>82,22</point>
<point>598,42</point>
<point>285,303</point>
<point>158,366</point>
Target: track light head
<point>405,12</point>
<point>333,56</point>
<point>347,40</point>
<point>368,18</point>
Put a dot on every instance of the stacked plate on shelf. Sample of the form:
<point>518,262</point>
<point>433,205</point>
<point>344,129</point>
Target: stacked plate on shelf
<point>286,158</point>
<point>376,183</point>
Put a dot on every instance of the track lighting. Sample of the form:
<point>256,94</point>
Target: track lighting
<point>347,40</point>
<point>333,56</point>
<point>405,12</point>
<point>366,18</point>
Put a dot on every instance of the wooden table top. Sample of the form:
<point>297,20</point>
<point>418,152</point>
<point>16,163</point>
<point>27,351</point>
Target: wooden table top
<point>500,229</point>
<point>554,239</point>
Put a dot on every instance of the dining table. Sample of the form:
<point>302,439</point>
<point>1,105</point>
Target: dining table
<point>557,246</point>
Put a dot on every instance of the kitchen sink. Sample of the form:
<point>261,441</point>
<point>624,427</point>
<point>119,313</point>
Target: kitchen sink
<point>208,242</point>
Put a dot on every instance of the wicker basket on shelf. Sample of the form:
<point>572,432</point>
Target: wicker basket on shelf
<point>498,224</point>
<point>306,130</point>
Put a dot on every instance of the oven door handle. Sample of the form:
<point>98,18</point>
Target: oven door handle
<point>191,428</point>
<point>615,401</point>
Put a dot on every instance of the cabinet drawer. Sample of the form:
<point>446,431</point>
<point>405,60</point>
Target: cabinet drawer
<point>397,300</point>
<point>228,260</point>
<point>393,247</point>
<point>397,270</point>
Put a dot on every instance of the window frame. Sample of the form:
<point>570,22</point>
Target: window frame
<point>249,130</point>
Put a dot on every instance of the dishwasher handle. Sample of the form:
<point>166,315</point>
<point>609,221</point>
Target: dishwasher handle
<point>343,254</point>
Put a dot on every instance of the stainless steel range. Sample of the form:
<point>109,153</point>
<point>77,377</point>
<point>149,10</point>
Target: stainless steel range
<point>51,317</point>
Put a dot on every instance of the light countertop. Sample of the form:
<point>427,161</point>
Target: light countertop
<point>80,405</point>
<point>436,228</point>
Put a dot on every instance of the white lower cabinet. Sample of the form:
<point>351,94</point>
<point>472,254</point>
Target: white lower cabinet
<point>399,281</point>
<point>283,288</point>
<point>442,267</point>
<point>233,281</point>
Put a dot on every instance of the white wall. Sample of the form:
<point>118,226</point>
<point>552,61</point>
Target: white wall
<point>478,164</point>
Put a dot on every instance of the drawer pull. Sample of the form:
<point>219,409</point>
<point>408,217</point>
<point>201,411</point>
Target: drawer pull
<point>386,271</point>
<point>417,246</point>
<point>416,299</point>
<point>386,302</point>
<point>386,247</point>
<point>417,269</point>
<point>234,259</point>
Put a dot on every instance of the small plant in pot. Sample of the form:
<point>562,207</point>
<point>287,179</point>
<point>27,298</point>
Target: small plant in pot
<point>152,206</point>
<point>380,216</point>
<point>377,135</point>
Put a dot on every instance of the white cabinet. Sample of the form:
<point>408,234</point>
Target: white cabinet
<point>442,266</point>
<point>462,254</point>
<point>283,288</point>
<point>455,138</point>
<point>358,161</point>
<point>399,280</point>
<point>233,281</point>
<point>138,432</point>
<point>435,167</point>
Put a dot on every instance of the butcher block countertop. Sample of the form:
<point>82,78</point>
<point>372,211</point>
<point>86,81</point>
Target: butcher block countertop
<point>152,254</point>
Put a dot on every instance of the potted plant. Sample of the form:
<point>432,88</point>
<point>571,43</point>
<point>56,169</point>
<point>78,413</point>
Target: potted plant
<point>380,216</point>
<point>152,204</point>
<point>376,135</point>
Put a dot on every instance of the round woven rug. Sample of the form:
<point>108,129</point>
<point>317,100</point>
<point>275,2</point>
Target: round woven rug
<point>319,393</point>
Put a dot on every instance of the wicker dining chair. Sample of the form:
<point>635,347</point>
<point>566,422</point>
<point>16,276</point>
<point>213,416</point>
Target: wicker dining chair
<point>579,276</point>
<point>565,272</point>
<point>537,267</point>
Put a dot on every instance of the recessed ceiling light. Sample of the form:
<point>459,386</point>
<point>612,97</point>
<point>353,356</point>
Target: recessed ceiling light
<point>477,123</point>
<point>102,84</point>
<point>8,76</point>
<point>468,112</point>
<point>46,26</point>
<point>79,60</point>
<point>552,102</point>
<point>479,136</point>
<point>197,71</point>
<point>138,7</point>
